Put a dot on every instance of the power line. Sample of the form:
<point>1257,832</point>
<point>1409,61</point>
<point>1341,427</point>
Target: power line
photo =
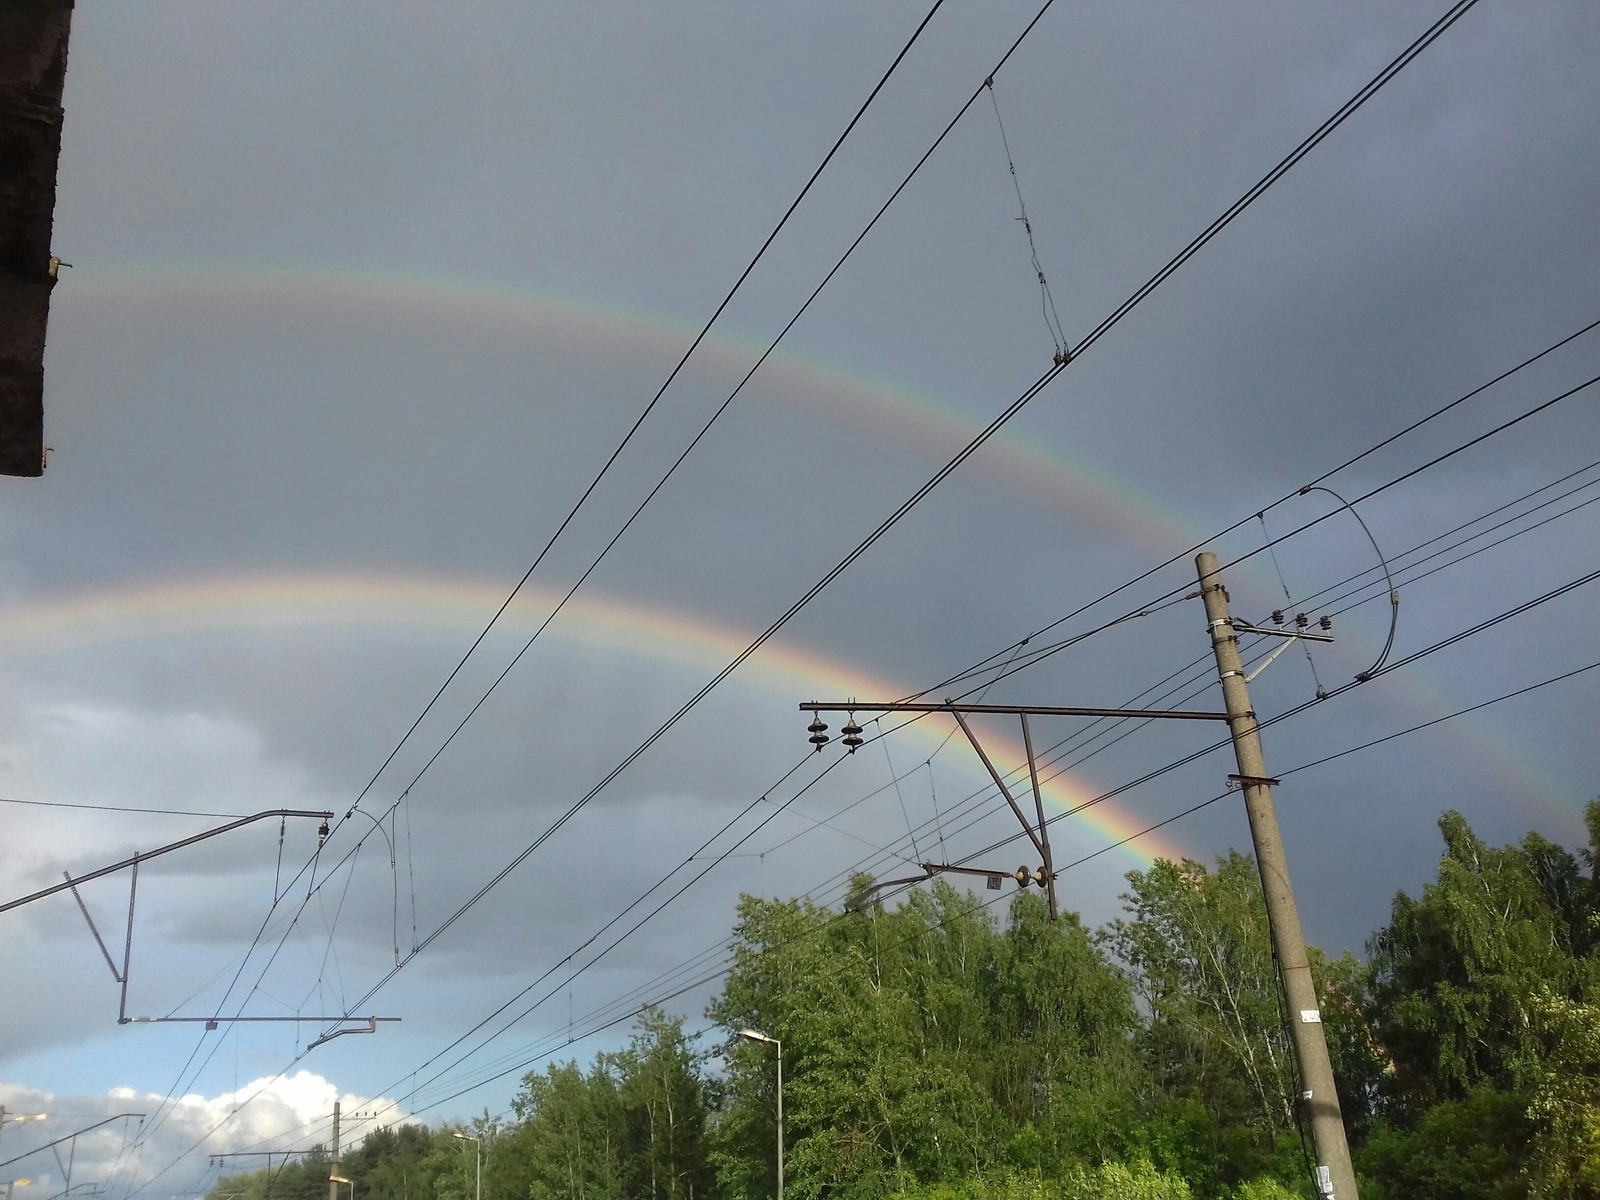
<point>1218,534</point>
<point>1441,644</point>
<point>661,391</point>
<point>1213,230</point>
<point>661,483</point>
<point>1249,554</point>
<point>1099,331</point>
<point>1191,810</point>
<point>743,840</point>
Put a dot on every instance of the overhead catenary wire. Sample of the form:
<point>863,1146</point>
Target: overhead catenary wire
<point>672,375</point>
<point>1081,861</point>
<point>1426,419</point>
<point>571,1037</point>
<point>1249,554</point>
<point>1100,330</point>
<point>1441,644</point>
<point>1499,508</point>
<point>1216,227</point>
<point>1203,804</point>
<point>418,944</point>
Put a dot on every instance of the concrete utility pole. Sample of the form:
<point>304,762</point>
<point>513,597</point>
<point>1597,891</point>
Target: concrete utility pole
<point>333,1171</point>
<point>1335,1176</point>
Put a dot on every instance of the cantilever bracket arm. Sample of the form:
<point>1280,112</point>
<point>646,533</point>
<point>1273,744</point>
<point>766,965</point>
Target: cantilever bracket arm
<point>1038,835</point>
<point>160,850</point>
<point>372,1027</point>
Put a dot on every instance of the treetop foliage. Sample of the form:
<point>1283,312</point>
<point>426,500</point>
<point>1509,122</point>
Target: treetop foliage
<point>933,1051</point>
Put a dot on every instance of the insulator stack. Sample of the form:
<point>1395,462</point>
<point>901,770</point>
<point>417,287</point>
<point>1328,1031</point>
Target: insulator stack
<point>819,732</point>
<point>852,733</point>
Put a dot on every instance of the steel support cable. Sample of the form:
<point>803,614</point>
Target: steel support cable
<point>1413,579</point>
<point>737,661</point>
<point>1195,245</point>
<point>1399,479</point>
<point>1160,771</point>
<point>1326,475</point>
<point>1211,231</point>
<point>661,391</point>
<point>1400,566</point>
<point>1397,664</point>
<point>1398,560</point>
<point>1099,331</point>
<point>545,1046</point>
<point>1198,687</point>
<point>726,403</point>
<point>1541,354</point>
<point>1039,653</point>
<point>1461,558</point>
<point>704,430</point>
<point>626,934</point>
<point>1054,759</point>
<point>593,937</point>
<point>700,955</point>
<point>635,903</point>
<point>166,1106</point>
<point>524,1061</point>
<point>701,982</point>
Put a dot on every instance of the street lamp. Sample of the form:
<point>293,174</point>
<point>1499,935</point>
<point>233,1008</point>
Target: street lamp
<point>751,1035</point>
<point>477,1148</point>
<point>337,1179</point>
<point>13,1184</point>
<point>7,1119</point>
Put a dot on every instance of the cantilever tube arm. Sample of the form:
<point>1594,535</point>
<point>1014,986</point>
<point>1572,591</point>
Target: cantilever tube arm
<point>156,853</point>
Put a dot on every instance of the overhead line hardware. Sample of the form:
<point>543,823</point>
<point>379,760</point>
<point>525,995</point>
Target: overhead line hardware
<point>167,849</point>
<point>372,1027</point>
<point>132,864</point>
<point>1038,834</point>
<point>1242,626</point>
<point>1019,710</point>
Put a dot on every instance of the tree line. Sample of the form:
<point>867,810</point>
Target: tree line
<point>932,1051</point>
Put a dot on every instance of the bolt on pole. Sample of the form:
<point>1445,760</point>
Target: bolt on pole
<point>1336,1178</point>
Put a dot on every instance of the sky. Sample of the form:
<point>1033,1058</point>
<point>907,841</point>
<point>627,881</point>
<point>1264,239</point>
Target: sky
<point>364,296</point>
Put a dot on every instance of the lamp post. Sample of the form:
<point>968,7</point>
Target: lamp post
<point>477,1147</point>
<point>6,1118</point>
<point>11,1185</point>
<point>751,1035</point>
<point>336,1180</point>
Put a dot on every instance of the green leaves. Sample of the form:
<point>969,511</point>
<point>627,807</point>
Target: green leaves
<point>1197,946</point>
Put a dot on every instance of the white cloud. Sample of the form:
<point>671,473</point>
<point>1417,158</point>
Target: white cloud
<point>175,1141</point>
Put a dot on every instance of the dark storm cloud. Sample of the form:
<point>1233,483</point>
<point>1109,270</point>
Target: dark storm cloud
<point>633,159</point>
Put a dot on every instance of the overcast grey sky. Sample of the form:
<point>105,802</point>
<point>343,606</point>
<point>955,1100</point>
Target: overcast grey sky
<point>362,297</point>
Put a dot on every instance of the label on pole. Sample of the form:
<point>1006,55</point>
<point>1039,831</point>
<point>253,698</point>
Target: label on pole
<point>1310,1016</point>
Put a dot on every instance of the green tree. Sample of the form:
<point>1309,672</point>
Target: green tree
<point>1456,974</point>
<point>569,1141</point>
<point>665,1103</point>
<point>1197,946</point>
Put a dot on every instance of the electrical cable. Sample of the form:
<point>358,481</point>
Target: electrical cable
<point>1195,245</point>
<point>1104,327</point>
<point>1443,643</point>
<point>661,391</point>
<point>419,945</point>
<point>1436,540</point>
<point>1326,475</point>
